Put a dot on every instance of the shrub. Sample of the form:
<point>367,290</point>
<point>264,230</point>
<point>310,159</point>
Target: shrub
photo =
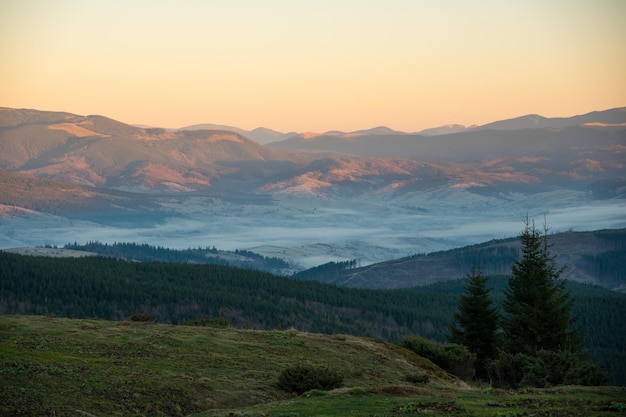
<point>219,322</point>
<point>507,371</point>
<point>141,317</point>
<point>587,373</point>
<point>454,358</point>
<point>546,369</point>
<point>417,378</point>
<point>300,379</point>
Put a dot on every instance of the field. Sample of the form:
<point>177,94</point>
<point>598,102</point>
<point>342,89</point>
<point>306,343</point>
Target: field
<point>67,367</point>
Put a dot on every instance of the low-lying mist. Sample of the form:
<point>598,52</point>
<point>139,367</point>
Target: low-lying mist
<point>309,232</point>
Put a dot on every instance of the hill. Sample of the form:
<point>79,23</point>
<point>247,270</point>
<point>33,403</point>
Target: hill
<point>260,135</point>
<point>31,194</point>
<point>113,289</point>
<point>608,117</point>
<point>147,253</point>
<point>73,367</point>
<point>97,151</point>
<point>597,257</point>
<point>471,145</point>
<point>54,366</point>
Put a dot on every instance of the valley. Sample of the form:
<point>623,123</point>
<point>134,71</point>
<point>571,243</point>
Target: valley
<point>307,232</point>
<point>371,196</point>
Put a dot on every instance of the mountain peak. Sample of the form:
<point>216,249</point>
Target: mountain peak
<point>379,130</point>
<point>444,130</point>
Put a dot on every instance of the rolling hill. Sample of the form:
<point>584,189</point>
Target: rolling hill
<point>25,193</point>
<point>99,368</point>
<point>114,289</point>
<point>97,151</point>
<point>260,135</point>
<point>594,257</point>
<point>569,144</point>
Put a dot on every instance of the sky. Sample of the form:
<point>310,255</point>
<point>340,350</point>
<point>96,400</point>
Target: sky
<point>319,65</point>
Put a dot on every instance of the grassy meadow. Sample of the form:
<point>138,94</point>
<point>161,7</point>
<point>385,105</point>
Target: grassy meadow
<point>71,367</point>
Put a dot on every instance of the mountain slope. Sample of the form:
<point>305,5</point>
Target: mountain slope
<point>535,121</point>
<point>145,369</point>
<point>260,135</point>
<point>95,150</point>
<point>213,294</point>
<point>472,145</point>
<point>597,257</point>
<point>27,193</point>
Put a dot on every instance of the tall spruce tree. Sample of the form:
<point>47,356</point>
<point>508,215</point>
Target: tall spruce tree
<point>477,322</point>
<point>537,306</point>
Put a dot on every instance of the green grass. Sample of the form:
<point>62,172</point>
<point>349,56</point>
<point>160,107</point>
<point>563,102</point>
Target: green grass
<point>65,367</point>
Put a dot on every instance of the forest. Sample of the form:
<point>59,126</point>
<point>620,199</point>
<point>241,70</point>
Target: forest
<point>114,289</point>
<point>144,252</point>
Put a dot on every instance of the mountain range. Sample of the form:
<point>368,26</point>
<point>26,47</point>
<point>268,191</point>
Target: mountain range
<point>260,135</point>
<point>529,151</point>
<point>374,195</point>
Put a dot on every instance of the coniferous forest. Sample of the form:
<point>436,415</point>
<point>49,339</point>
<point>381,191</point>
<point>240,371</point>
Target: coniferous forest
<point>106,288</point>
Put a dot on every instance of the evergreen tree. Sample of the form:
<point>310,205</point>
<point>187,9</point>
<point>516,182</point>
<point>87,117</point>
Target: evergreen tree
<point>536,304</point>
<point>477,322</point>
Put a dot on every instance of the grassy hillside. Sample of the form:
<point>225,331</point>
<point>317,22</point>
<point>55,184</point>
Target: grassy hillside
<point>173,293</point>
<point>69,367</point>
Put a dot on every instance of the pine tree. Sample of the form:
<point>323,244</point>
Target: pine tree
<point>477,322</point>
<point>536,304</point>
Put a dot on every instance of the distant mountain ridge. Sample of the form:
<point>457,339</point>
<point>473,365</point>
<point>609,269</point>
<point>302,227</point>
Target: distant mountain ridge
<point>518,137</point>
<point>264,136</point>
<point>260,135</point>
<point>101,152</point>
<point>535,121</point>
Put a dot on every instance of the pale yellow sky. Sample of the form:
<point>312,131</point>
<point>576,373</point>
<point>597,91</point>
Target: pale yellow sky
<point>313,65</point>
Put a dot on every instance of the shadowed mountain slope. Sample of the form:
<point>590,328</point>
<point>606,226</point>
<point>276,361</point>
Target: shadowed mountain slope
<point>475,145</point>
<point>535,121</point>
<point>594,257</point>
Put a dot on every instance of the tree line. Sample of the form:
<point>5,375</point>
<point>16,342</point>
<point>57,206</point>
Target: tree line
<point>149,253</point>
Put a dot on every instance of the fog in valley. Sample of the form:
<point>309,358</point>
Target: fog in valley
<point>311,231</point>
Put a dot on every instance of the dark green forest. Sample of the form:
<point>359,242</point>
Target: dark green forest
<point>147,253</point>
<point>114,289</point>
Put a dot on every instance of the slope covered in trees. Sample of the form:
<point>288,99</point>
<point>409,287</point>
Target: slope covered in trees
<point>149,253</point>
<point>596,257</point>
<point>170,292</point>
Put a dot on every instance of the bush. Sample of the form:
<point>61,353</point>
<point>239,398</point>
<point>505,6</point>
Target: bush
<point>417,378</point>
<point>300,379</point>
<point>218,322</point>
<point>587,373</point>
<point>505,371</point>
<point>452,357</point>
<point>546,369</point>
<point>141,317</point>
